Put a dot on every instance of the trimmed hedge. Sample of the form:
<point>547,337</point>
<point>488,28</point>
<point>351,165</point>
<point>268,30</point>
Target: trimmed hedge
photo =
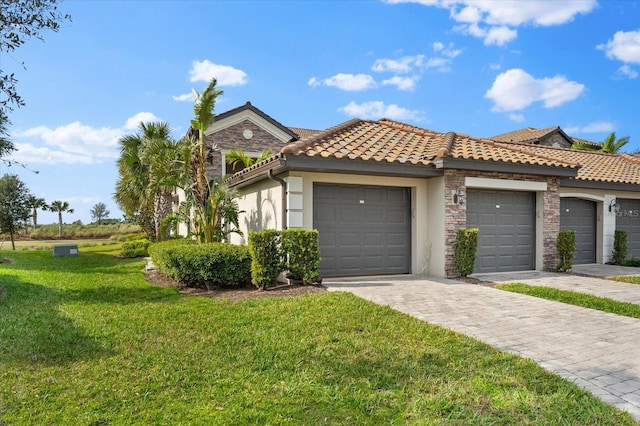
<point>619,254</point>
<point>464,255</point>
<point>266,257</point>
<point>208,265</point>
<point>302,253</point>
<point>566,246</point>
<point>136,248</point>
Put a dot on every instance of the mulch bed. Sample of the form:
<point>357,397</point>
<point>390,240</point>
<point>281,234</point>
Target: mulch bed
<point>234,294</point>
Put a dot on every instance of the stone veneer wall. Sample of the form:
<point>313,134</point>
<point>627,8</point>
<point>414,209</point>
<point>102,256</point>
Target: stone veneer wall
<point>231,138</point>
<point>555,138</point>
<point>456,215</point>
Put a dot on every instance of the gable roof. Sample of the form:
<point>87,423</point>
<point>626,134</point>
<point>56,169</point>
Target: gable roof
<point>304,133</point>
<point>530,135</point>
<point>391,141</point>
<point>246,111</point>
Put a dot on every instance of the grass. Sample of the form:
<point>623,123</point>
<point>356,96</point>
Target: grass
<point>87,341</point>
<point>574,298</point>
<point>631,279</point>
<point>48,245</point>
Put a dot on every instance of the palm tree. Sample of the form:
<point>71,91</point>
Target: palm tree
<point>150,170</point>
<point>60,207</point>
<point>239,157</point>
<point>36,203</point>
<point>611,145</point>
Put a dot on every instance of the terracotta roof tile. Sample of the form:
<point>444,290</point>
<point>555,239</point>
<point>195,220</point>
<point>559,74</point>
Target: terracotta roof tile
<point>527,134</point>
<point>304,133</point>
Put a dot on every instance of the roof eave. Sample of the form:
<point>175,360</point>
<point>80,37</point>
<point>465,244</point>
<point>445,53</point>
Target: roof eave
<point>504,167</point>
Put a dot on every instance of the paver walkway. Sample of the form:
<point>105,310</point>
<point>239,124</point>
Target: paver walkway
<point>596,350</point>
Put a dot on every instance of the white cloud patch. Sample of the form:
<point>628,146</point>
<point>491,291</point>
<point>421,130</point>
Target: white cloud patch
<point>184,97</point>
<point>627,71</point>
<point>500,17</point>
<point>625,47</point>
<point>377,109</point>
<point>515,90</point>
<point>346,82</point>
<point>405,84</point>
<point>73,143</point>
<point>595,127</point>
<point>141,117</point>
<point>518,118</point>
<point>403,65</point>
<point>224,74</point>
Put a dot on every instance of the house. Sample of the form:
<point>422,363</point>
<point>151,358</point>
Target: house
<point>388,197</point>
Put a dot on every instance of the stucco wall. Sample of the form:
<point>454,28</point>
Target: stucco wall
<point>262,209</point>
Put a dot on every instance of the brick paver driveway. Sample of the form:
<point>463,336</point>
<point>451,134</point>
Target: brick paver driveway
<point>598,351</point>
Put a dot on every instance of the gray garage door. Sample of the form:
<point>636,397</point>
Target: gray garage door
<point>506,223</point>
<point>580,216</point>
<point>364,230</point>
<point>628,219</point>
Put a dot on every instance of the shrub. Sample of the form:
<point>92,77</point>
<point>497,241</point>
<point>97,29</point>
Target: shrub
<point>266,257</point>
<point>464,256</point>
<point>302,253</point>
<point>631,262</point>
<point>209,265</point>
<point>136,248</point>
<point>619,254</point>
<point>566,247</point>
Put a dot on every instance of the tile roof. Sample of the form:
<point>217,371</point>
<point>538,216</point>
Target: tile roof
<point>528,134</point>
<point>391,141</point>
<point>304,133</point>
<point>595,166</point>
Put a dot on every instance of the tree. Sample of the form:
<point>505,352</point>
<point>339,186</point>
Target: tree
<point>36,203</point>
<point>611,145</point>
<point>21,20</point>
<point>99,212</point>
<point>60,207</point>
<point>6,146</point>
<point>14,205</point>
<point>150,168</point>
<point>239,157</point>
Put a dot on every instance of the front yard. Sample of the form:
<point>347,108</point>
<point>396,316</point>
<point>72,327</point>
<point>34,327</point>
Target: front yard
<point>89,341</point>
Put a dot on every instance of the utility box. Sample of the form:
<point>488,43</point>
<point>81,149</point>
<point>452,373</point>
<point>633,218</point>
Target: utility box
<point>65,250</point>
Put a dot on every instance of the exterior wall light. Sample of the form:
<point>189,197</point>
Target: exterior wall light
<point>614,207</point>
<point>458,196</point>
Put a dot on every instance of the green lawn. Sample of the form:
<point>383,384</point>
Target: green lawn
<point>631,279</point>
<point>575,298</point>
<point>86,341</point>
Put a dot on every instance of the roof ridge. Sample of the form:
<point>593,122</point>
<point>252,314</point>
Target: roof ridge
<point>403,126</point>
<point>553,147</point>
<point>631,158</point>
<point>447,144</point>
<point>522,150</point>
<point>297,147</point>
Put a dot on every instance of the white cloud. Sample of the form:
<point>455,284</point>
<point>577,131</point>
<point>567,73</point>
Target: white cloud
<point>625,47</point>
<point>402,66</point>
<point>627,71</point>
<point>595,127</point>
<point>347,82</point>
<point>515,90</point>
<point>448,51</point>
<point>402,83</point>
<point>518,118</point>
<point>377,109</point>
<point>501,16</point>
<point>224,74</point>
<point>142,117</point>
<point>73,143</point>
<point>184,97</point>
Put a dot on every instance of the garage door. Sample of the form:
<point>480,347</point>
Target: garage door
<point>364,230</point>
<point>628,219</point>
<point>506,223</point>
<point>580,216</point>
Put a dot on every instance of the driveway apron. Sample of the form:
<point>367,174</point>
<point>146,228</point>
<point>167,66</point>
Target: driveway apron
<point>598,351</point>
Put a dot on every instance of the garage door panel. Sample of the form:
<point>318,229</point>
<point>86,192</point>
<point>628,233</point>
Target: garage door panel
<point>580,216</point>
<point>628,219</point>
<point>506,239</point>
<point>375,238</point>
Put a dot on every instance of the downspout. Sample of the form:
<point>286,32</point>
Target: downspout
<point>284,196</point>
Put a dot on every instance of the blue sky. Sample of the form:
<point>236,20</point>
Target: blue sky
<point>475,67</point>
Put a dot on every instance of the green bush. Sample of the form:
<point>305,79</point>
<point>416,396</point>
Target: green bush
<point>566,247</point>
<point>465,247</point>
<point>210,265</point>
<point>619,254</point>
<point>631,262</point>
<point>136,248</point>
<point>266,257</point>
<point>302,253</point>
